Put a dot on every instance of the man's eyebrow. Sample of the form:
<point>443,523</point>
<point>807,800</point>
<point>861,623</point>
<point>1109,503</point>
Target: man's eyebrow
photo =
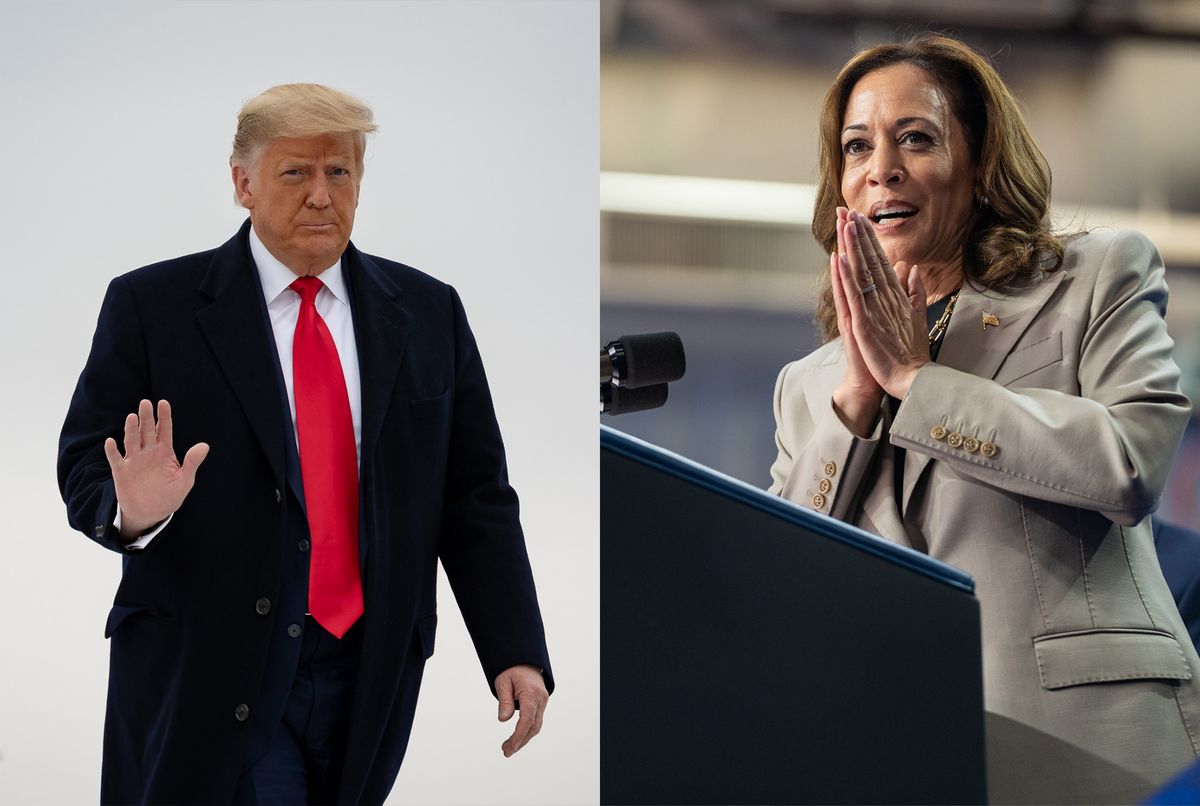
<point>309,160</point>
<point>287,163</point>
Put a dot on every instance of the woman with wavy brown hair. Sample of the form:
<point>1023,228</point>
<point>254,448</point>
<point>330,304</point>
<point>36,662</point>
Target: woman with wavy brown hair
<point>1003,398</point>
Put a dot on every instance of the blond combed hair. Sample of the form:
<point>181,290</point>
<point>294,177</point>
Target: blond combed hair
<point>1009,241</point>
<point>299,110</point>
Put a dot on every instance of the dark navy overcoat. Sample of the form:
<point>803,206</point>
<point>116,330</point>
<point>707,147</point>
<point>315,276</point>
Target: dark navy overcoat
<point>189,640</point>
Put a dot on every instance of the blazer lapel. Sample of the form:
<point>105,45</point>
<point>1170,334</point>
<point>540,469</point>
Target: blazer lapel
<point>880,508</point>
<point>878,502</point>
<point>979,348</point>
<point>381,328</point>
<point>234,327</point>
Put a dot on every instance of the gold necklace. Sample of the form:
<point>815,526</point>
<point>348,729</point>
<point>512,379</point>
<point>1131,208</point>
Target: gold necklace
<point>939,327</point>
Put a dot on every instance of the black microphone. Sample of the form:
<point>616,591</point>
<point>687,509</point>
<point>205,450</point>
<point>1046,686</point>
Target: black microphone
<point>644,359</point>
<point>618,400</point>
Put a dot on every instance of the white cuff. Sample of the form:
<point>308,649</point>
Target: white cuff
<point>145,539</point>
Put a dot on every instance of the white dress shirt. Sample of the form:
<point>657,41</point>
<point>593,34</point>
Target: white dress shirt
<point>283,309</point>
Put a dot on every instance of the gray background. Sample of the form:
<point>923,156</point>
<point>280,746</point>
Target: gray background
<point>117,125</point>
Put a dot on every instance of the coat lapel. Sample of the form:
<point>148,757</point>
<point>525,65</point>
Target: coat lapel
<point>381,328</point>
<point>980,350</point>
<point>234,326</point>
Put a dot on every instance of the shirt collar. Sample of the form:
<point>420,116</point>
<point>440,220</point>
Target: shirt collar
<point>276,277</point>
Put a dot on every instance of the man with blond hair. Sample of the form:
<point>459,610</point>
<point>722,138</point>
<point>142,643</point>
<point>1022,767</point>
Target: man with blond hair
<point>277,600</point>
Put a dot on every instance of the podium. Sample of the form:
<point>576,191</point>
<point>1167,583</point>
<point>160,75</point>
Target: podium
<point>753,651</point>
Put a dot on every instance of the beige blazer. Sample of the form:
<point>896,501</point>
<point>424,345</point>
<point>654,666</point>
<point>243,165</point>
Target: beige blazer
<point>1037,446</point>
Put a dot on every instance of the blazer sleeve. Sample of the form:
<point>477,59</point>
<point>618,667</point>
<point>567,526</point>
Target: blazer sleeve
<point>819,464</point>
<point>1107,449</point>
<point>113,380</point>
<point>482,546</point>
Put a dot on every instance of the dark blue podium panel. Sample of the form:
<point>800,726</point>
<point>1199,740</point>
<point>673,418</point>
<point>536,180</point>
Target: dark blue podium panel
<point>756,652</point>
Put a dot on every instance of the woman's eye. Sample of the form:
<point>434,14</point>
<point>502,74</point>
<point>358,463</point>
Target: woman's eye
<point>915,138</point>
<point>854,147</point>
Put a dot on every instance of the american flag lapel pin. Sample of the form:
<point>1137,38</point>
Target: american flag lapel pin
<point>990,318</point>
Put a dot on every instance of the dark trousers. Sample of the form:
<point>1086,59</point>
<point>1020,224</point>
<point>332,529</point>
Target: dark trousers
<point>303,762</point>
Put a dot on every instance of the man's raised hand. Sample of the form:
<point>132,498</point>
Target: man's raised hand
<point>150,482</point>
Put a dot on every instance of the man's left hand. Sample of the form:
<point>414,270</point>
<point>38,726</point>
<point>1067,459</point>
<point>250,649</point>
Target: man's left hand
<point>521,688</point>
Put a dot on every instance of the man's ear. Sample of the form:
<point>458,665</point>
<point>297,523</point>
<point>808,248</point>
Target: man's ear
<point>241,187</point>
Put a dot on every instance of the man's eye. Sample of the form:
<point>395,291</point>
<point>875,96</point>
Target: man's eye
<point>854,147</point>
<point>292,172</point>
<point>339,172</point>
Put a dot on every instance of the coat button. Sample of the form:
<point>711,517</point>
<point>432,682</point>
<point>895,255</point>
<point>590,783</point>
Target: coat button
<point>242,712</point>
<point>294,630</point>
<point>830,469</point>
<point>278,496</point>
<point>954,440</point>
<point>938,433</point>
<point>818,501</point>
<point>970,444</point>
<point>262,606</point>
<point>824,486</point>
<point>989,449</point>
<point>304,545</point>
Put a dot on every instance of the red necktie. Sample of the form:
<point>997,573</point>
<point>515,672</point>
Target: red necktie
<point>328,466</point>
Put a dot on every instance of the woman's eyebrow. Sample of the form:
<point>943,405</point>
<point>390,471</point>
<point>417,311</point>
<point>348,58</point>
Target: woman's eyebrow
<point>915,119</point>
<point>899,122</point>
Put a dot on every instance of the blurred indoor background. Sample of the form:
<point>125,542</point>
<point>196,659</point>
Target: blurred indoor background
<point>709,156</point>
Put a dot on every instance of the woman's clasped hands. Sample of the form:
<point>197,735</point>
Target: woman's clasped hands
<point>881,317</point>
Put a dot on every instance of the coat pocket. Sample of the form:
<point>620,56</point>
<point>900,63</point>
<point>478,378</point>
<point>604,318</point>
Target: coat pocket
<point>1030,359</point>
<point>431,407</point>
<point>120,613</point>
<point>1106,655</point>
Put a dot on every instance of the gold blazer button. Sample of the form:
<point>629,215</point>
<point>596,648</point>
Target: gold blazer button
<point>830,469</point>
<point>970,444</point>
<point>955,440</point>
<point>989,449</point>
<point>938,433</point>
<point>824,486</point>
<point>818,501</point>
